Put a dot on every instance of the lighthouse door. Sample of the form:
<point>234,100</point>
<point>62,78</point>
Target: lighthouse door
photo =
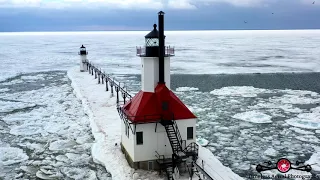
<point>161,143</point>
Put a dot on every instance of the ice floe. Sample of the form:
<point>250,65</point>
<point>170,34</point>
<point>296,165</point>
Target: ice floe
<point>8,106</point>
<point>4,90</point>
<point>306,120</point>
<point>253,116</point>
<point>11,155</point>
<point>203,142</point>
<point>300,131</point>
<point>34,78</point>
<point>270,152</point>
<point>243,91</point>
<point>187,89</point>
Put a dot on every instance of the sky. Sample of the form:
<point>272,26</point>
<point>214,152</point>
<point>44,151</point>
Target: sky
<point>98,15</point>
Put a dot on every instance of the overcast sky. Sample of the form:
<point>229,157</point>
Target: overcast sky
<point>68,15</point>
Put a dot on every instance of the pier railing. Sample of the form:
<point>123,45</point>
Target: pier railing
<point>169,51</point>
<point>109,81</point>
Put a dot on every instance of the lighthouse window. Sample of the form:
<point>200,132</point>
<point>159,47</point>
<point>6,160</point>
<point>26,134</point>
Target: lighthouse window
<point>128,131</point>
<point>152,42</point>
<point>189,133</point>
<point>139,138</point>
<point>165,106</point>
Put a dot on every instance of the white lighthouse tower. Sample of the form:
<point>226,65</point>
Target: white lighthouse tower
<point>83,59</point>
<point>158,130</point>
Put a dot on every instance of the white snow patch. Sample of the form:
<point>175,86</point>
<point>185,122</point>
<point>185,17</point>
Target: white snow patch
<point>106,128</point>
<point>187,89</point>
<point>11,155</point>
<point>253,116</point>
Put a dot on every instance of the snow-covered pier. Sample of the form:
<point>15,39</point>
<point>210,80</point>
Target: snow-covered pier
<point>100,106</point>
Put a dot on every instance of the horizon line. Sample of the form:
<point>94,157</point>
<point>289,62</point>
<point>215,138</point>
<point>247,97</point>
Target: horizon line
<point>48,31</point>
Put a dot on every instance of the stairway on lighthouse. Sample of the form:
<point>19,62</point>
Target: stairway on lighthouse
<point>180,154</point>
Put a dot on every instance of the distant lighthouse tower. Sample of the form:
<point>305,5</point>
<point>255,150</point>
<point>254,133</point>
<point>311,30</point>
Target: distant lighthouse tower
<point>83,59</point>
<point>158,130</point>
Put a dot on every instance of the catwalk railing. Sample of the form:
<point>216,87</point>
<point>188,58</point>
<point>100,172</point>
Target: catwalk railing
<point>102,78</point>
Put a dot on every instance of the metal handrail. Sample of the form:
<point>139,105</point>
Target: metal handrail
<point>109,79</point>
<point>178,134</point>
<point>193,146</point>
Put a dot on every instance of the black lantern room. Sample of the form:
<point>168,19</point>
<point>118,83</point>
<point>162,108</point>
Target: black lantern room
<point>83,50</point>
<point>152,43</point>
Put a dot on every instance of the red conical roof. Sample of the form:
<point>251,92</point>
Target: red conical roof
<point>147,106</point>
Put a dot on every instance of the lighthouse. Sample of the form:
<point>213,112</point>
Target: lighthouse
<point>83,58</point>
<point>158,130</point>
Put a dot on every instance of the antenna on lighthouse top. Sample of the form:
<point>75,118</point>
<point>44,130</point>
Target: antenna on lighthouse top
<point>161,47</point>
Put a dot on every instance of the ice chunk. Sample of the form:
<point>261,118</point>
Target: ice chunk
<point>34,78</point>
<point>62,158</point>
<point>308,138</point>
<point>203,142</point>
<point>254,117</point>
<point>11,155</point>
<point>187,89</point>
<point>4,90</point>
<point>300,131</point>
<point>78,173</point>
<point>8,106</point>
<point>61,145</point>
<point>296,99</point>
<point>270,152</point>
<point>306,120</point>
<point>243,91</point>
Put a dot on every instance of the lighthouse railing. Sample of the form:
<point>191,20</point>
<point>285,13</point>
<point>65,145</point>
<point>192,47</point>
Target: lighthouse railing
<point>160,158</point>
<point>169,51</point>
<point>192,148</point>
